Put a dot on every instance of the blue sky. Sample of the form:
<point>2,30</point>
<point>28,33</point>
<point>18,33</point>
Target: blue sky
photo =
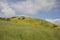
<point>54,13</point>
<point>49,15</point>
<point>44,9</point>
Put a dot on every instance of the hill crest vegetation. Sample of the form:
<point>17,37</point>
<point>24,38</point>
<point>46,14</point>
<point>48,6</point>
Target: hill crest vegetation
<point>29,21</point>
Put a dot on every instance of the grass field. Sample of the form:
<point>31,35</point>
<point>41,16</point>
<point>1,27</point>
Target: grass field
<point>14,31</point>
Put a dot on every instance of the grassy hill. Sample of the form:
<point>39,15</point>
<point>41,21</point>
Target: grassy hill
<point>25,28</point>
<point>29,21</point>
<point>13,31</point>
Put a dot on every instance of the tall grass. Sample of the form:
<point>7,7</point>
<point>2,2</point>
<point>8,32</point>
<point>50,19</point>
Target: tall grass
<point>13,31</point>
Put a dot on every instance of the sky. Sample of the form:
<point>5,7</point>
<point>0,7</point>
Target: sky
<point>42,9</point>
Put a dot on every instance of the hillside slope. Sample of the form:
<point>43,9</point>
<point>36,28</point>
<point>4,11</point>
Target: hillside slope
<point>14,31</point>
<point>29,21</point>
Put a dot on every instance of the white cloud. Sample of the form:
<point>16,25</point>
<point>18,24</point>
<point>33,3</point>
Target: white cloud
<point>6,11</point>
<point>32,6</point>
<point>55,21</point>
<point>27,7</point>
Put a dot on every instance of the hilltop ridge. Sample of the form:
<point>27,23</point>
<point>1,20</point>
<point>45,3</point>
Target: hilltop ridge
<point>29,21</point>
<point>27,28</point>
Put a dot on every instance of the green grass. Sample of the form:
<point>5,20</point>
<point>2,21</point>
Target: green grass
<point>27,28</point>
<point>14,31</point>
<point>29,21</point>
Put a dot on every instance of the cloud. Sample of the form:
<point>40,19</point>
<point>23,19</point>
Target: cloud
<point>55,21</point>
<point>32,6</point>
<point>25,7</point>
<point>8,8</point>
<point>5,10</point>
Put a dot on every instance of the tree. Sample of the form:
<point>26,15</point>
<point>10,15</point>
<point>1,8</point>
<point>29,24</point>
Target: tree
<point>18,18</point>
<point>0,18</point>
<point>54,26</point>
<point>3,18</point>
<point>23,17</point>
<point>8,19</point>
<point>13,17</point>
